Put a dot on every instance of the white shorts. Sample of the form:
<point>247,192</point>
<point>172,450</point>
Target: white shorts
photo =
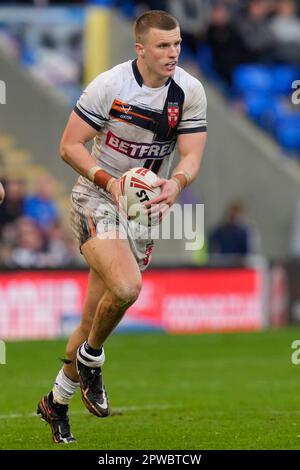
<point>95,213</point>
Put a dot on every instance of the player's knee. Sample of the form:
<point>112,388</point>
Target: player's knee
<point>127,293</point>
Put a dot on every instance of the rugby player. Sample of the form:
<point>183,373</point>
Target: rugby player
<point>135,113</point>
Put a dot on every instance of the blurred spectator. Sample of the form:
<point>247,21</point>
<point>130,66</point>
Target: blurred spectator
<point>31,245</point>
<point>143,5</point>
<point>285,24</point>
<point>227,46</point>
<point>13,205</point>
<point>255,32</point>
<point>286,28</point>
<point>31,235</point>
<point>233,236</point>
<point>62,249</point>
<point>41,207</point>
<point>193,17</point>
<point>32,248</point>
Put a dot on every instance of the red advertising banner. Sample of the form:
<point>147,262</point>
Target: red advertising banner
<point>48,304</point>
<point>35,304</point>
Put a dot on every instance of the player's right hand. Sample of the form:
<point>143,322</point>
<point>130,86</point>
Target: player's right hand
<point>115,191</point>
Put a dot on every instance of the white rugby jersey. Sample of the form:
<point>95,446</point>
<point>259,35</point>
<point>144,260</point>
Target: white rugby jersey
<point>138,125</point>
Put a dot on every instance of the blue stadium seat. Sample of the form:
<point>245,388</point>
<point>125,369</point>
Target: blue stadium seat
<point>288,134</point>
<point>266,110</point>
<point>256,104</point>
<point>252,78</point>
<point>273,114</point>
<point>186,54</point>
<point>283,76</point>
<point>126,7</point>
<point>205,60</point>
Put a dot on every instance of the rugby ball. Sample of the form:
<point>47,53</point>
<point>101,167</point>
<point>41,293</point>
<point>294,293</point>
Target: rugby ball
<point>136,187</point>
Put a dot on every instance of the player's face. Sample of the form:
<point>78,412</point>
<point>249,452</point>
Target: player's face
<point>160,52</point>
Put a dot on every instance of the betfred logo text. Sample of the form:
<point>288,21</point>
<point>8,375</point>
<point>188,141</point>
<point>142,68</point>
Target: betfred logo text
<point>139,150</point>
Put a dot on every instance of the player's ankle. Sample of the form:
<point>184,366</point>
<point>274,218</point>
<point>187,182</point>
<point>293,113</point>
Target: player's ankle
<point>64,388</point>
<point>56,404</point>
<point>92,351</point>
<point>90,357</point>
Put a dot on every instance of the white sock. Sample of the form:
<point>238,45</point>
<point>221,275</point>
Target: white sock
<point>89,360</point>
<point>64,388</point>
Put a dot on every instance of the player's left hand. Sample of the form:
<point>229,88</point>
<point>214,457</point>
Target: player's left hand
<point>167,197</point>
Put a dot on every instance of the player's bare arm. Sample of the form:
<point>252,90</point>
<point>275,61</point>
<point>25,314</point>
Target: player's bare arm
<point>190,149</point>
<point>73,151</point>
<point>72,146</point>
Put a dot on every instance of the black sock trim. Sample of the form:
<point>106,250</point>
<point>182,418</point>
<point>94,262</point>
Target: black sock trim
<point>55,405</point>
<point>91,351</point>
<point>86,359</point>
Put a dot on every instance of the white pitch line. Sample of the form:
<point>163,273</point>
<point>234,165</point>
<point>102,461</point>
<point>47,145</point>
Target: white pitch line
<point>81,412</point>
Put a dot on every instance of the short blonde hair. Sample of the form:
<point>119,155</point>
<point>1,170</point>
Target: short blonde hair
<point>158,19</point>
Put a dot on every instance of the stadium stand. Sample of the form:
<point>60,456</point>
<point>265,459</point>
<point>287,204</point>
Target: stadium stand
<point>244,57</point>
<point>30,234</point>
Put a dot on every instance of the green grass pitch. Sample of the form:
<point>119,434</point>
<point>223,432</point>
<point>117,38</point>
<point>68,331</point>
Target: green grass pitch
<point>221,391</point>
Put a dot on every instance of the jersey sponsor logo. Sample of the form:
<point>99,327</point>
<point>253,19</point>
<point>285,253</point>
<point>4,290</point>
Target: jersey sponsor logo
<point>126,108</point>
<point>126,116</point>
<point>139,150</point>
<point>173,114</point>
<point>130,114</point>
